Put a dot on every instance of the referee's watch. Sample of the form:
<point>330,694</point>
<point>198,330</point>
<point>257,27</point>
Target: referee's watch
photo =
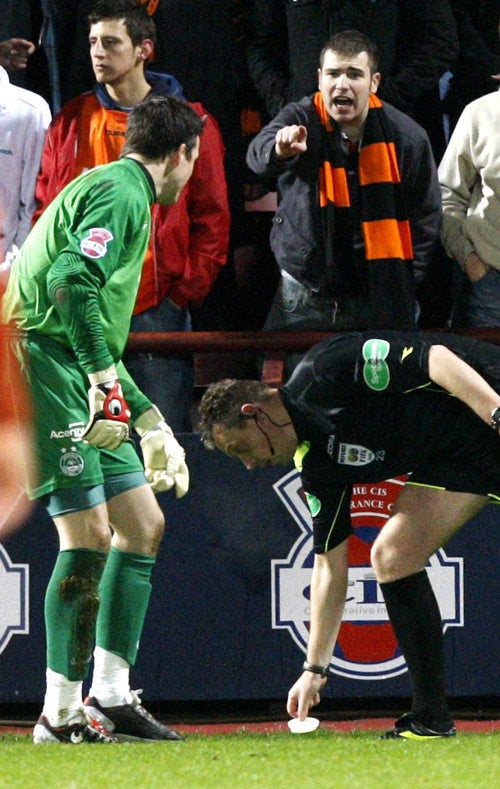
<point>323,670</point>
<point>495,418</point>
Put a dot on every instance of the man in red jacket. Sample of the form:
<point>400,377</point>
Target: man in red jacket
<point>190,239</point>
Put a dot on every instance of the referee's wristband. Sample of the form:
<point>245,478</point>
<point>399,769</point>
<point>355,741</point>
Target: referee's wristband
<point>323,670</point>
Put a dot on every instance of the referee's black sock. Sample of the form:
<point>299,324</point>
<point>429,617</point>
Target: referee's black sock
<point>414,615</point>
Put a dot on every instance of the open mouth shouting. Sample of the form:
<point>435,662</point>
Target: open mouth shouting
<point>343,101</point>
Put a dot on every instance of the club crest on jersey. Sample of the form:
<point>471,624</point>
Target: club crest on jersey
<point>14,611</point>
<point>366,647</point>
<point>355,455</point>
<point>71,462</point>
<point>95,245</point>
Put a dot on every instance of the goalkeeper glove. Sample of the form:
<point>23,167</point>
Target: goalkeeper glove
<point>108,426</point>
<point>164,458</point>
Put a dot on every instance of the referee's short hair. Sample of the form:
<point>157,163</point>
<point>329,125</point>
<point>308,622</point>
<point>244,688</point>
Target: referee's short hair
<point>220,406</point>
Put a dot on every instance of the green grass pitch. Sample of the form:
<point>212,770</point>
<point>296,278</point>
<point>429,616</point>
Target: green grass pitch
<point>277,760</point>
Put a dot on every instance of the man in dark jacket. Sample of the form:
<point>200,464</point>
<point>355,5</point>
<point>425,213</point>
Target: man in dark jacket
<point>417,43</point>
<point>360,203</point>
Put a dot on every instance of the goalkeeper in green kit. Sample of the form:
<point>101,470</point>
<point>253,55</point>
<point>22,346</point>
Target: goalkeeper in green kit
<point>71,294</point>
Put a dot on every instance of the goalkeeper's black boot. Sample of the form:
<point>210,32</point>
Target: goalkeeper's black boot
<point>75,732</point>
<point>128,722</point>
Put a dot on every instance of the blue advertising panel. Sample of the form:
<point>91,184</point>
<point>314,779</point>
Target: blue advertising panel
<point>228,617</point>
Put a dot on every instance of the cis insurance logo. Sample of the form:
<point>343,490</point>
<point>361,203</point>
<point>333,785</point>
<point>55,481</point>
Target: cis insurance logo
<point>366,648</point>
<point>14,598</point>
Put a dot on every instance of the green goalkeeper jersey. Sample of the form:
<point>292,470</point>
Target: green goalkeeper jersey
<point>77,275</point>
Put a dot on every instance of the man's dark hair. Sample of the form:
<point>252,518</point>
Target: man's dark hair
<point>159,125</point>
<point>349,43</point>
<point>138,23</point>
<point>221,404</point>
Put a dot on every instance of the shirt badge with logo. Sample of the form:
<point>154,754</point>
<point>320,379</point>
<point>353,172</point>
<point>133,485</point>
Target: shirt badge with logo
<point>376,372</point>
<point>95,245</point>
<point>355,455</point>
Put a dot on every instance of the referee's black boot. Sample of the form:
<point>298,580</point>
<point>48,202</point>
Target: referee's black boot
<point>408,727</point>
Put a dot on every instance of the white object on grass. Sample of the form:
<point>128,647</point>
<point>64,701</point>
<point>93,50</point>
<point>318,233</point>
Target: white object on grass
<point>297,726</point>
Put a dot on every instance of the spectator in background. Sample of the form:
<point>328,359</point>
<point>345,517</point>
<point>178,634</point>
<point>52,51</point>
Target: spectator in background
<point>18,34</point>
<point>14,53</point>
<point>24,118</point>
<point>477,67</point>
<point>356,224</point>
<point>417,43</point>
<point>58,67</point>
<point>21,28</point>
<point>190,239</point>
<point>469,174</point>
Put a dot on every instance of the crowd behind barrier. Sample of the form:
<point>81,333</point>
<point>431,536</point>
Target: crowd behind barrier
<point>230,89</point>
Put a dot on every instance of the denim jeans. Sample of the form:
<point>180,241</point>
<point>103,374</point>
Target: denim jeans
<point>167,379</point>
<point>296,308</point>
<point>484,301</point>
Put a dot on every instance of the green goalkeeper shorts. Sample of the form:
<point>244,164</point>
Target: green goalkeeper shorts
<point>59,392</point>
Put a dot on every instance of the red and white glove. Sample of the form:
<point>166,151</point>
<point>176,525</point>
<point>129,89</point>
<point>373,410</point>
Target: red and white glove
<point>164,458</point>
<point>108,426</point>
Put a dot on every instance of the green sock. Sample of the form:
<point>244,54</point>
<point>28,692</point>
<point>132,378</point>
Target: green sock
<point>124,593</point>
<point>71,604</point>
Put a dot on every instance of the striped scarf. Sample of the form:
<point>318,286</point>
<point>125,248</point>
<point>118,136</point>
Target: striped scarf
<point>388,251</point>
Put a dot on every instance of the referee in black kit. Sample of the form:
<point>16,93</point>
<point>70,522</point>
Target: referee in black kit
<point>364,407</point>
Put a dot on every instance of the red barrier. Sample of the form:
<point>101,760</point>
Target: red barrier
<point>271,344</point>
<point>258,342</point>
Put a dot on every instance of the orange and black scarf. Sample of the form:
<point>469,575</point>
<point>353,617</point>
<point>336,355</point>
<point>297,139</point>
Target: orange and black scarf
<point>388,250</point>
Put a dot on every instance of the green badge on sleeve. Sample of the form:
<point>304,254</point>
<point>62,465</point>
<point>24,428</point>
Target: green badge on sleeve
<point>376,370</point>
<point>313,503</point>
